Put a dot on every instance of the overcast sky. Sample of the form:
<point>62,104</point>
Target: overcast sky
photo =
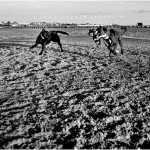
<point>94,12</point>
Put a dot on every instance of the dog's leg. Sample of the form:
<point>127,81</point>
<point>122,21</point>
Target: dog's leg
<point>43,46</point>
<point>96,44</point>
<point>114,50</point>
<point>60,45</point>
<point>99,42</point>
<point>115,43</point>
<point>109,47</point>
<point>38,41</point>
<point>121,45</point>
<point>33,46</point>
<point>110,51</point>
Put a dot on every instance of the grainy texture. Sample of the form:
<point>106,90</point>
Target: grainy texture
<point>79,98</point>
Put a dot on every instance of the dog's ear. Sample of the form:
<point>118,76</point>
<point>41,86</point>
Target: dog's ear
<point>112,31</point>
<point>43,29</point>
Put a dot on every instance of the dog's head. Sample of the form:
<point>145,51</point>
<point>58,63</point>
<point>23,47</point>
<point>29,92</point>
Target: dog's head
<point>91,32</point>
<point>99,28</point>
<point>43,33</point>
<point>112,31</point>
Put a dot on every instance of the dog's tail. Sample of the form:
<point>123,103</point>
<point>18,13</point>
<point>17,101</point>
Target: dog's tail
<point>125,29</point>
<point>62,32</point>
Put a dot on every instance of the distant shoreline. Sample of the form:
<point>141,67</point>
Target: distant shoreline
<point>36,27</point>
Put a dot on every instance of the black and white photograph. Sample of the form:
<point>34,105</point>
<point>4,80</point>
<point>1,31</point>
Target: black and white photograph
<point>74,74</point>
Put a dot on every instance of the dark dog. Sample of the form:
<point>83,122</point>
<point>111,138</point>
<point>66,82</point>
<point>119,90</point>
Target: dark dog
<point>94,33</point>
<point>45,37</point>
<point>115,38</point>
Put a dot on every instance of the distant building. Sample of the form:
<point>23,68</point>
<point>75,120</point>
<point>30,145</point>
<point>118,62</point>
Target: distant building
<point>38,23</point>
<point>15,24</point>
<point>115,25</point>
<point>139,24</point>
<point>88,25</point>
